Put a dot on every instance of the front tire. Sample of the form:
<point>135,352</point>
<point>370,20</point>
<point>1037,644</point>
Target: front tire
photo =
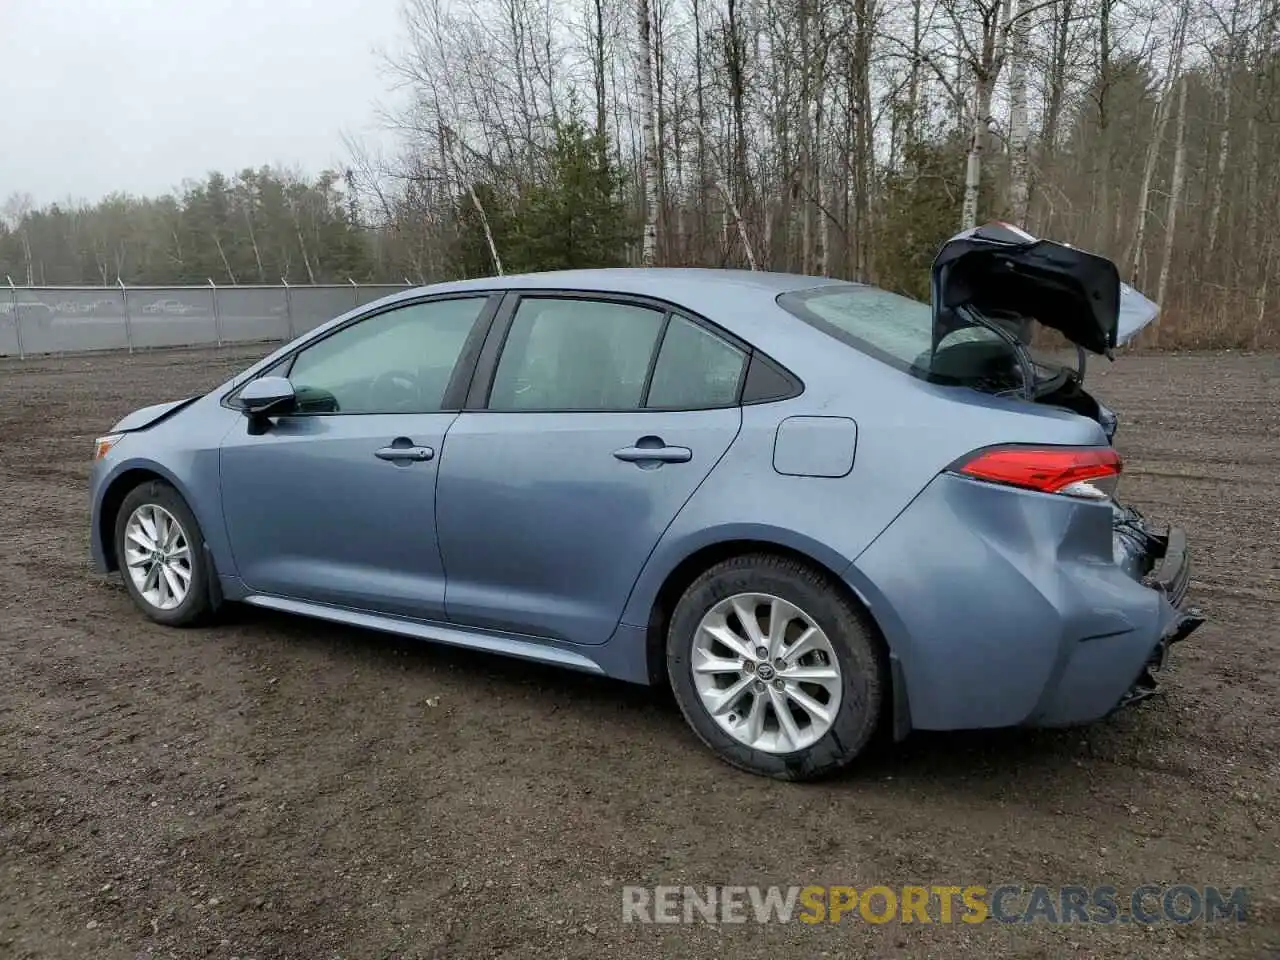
<point>160,552</point>
<point>776,670</point>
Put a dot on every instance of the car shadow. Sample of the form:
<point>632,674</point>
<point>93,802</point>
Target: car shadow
<point>407,653</point>
<point>976,759</point>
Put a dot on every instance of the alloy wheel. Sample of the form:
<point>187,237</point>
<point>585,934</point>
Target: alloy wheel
<point>766,673</point>
<point>157,556</point>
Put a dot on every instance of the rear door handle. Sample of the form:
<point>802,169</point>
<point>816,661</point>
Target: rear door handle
<point>402,450</point>
<point>653,449</point>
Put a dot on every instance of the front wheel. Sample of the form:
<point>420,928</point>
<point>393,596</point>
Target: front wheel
<point>160,551</point>
<point>775,670</point>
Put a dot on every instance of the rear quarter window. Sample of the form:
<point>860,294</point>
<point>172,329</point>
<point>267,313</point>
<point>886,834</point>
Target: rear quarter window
<point>888,326</point>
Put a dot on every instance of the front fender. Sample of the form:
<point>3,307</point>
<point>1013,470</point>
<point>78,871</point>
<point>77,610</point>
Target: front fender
<point>193,473</point>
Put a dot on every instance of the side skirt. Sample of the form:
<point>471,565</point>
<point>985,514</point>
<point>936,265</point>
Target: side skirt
<point>502,645</point>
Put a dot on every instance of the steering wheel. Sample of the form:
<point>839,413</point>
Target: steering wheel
<point>394,390</point>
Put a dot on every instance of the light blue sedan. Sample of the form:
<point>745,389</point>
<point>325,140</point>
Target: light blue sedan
<point>815,508</point>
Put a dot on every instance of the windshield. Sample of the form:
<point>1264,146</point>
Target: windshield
<point>897,330</point>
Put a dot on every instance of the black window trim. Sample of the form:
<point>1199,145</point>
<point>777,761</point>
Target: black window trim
<point>795,384</point>
<point>486,367</point>
<point>653,360</point>
<point>463,370</point>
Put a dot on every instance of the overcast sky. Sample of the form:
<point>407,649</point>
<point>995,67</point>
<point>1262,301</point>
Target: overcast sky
<point>137,95</point>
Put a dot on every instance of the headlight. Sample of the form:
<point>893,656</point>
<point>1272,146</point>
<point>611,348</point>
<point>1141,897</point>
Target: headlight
<point>102,446</point>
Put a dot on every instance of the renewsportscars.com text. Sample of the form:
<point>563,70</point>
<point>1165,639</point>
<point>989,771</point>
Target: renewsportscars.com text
<point>1003,903</point>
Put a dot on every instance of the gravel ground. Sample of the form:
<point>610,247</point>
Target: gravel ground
<point>274,788</point>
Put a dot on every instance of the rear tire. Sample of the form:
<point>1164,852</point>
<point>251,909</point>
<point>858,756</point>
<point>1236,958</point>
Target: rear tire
<point>795,696</point>
<point>160,552</point>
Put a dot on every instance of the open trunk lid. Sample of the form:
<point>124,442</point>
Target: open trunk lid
<point>1000,271</point>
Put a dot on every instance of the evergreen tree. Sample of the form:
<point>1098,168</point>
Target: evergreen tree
<point>571,216</point>
<point>575,218</point>
<point>921,209</point>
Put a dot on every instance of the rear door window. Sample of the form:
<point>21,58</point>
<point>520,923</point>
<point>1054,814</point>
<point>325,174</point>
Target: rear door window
<point>697,369</point>
<point>576,354</point>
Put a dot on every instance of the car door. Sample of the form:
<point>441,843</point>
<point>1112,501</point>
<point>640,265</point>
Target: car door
<point>599,418</point>
<point>334,502</point>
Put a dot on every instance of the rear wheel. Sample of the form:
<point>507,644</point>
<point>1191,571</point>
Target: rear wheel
<point>776,671</point>
<point>160,551</point>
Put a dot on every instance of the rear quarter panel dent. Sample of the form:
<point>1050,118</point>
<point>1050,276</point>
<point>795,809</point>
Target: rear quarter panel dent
<point>982,592</point>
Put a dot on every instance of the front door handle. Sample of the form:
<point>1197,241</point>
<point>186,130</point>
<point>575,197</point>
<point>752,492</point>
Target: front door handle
<point>653,450</point>
<point>404,450</point>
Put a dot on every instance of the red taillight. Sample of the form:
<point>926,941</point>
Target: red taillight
<point>1091,472</point>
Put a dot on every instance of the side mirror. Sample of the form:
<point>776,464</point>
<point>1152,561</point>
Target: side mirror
<point>267,396</point>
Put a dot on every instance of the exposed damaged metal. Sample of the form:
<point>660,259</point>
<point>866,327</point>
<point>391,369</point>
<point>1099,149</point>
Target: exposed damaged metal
<point>1160,560</point>
<point>1147,683</point>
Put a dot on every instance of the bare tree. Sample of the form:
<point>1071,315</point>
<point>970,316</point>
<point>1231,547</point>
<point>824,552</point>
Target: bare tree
<point>1223,68</point>
<point>982,28</point>
<point>1019,132</point>
<point>1163,111</point>
<point>644,71</point>
<point>17,210</point>
<point>1175,191</point>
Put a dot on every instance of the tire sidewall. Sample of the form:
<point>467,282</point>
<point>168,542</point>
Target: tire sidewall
<point>196,602</point>
<point>858,659</point>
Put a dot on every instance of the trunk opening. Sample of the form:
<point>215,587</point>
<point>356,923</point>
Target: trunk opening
<point>992,353</point>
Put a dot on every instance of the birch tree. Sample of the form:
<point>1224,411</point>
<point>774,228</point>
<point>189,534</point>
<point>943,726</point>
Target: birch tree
<point>1223,69</point>
<point>1163,111</point>
<point>649,177</point>
<point>1019,132</point>
<point>983,28</point>
<point>1175,192</point>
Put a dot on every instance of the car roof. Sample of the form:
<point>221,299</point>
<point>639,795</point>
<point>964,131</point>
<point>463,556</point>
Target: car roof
<point>691,287</point>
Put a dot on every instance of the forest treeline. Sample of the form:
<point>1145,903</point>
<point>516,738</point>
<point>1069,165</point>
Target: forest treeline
<point>256,227</point>
<point>841,137</point>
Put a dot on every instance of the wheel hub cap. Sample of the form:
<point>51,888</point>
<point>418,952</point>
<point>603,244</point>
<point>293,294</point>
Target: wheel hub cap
<point>766,673</point>
<point>157,556</point>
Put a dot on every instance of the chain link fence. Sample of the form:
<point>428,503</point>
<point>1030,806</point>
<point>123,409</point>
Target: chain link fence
<point>43,320</point>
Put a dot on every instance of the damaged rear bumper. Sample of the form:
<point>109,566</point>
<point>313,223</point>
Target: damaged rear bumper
<point>1169,576</point>
<point>1009,608</point>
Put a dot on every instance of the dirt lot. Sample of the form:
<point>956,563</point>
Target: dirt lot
<point>283,788</point>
